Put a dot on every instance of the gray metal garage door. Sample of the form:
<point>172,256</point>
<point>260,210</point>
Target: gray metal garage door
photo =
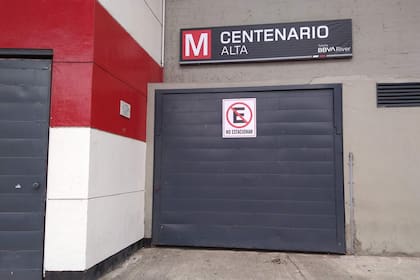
<point>24,122</point>
<point>282,190</point>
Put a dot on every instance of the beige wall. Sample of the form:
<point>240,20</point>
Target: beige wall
<point>385,144</point>
<point>386,39</point>
<point>385,141</point>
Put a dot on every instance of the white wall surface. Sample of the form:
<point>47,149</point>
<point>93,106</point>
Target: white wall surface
<point>68,163</point>
<point>95,197</point>
<point>142,19</point>
<point>114,223</point>
<point>116,195</point>
<point>65,235</point>
<point>117,164</point>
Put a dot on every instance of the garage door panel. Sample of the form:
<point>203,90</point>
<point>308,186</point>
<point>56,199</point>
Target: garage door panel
<point>260,167</point>
<point>300,102</point>
<point>21,274</point>
<point>22,147</point>
<point>296,115</point>
<point>256,206</point>
<point>192,118</point>
<point>25,202</point>
<point>23,93</point>
<point>285,154</point>
<point>30,76</point>
<point>9,184</point>
<point>240,180</point>
<point>213,117</point>
<point>249,219</point>
<point>248,237</point>
<point>20,260</point>
<point>22,166</point>
<point>310,128</point>
<point>279,190</point>
<point>23,112</point>
<point>263,141</point>
<point>203,103</point>
<point>249,193</point>
<point>21,240</point>
<point>20,221</point>
<point>23,129</point>
<point>195,130</point>
<point>307,128</point>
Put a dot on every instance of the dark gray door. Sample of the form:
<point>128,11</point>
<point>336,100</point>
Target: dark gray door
<point>282,190</point>
<point>24,122</point>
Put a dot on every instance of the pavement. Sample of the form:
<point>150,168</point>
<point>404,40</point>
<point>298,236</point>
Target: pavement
<point>204,264</point>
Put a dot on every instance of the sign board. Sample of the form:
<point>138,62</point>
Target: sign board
<point>125,109</point>
<point>266,42</point>
<point>239,118</point>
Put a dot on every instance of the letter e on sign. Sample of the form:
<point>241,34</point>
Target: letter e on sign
<point>196,44</point>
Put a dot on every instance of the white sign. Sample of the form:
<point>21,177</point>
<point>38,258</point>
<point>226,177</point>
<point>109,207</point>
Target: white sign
<point>125,109</point>
<point>239,118</point>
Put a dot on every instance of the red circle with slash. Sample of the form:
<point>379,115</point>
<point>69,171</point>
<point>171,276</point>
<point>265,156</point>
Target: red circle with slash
<point>246,122</point>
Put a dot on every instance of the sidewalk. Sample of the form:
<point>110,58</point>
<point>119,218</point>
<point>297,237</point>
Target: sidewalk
<point>194,264</point>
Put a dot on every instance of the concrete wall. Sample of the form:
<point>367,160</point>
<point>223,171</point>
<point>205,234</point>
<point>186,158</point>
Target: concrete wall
<point>384,141</point>
<point>385,38</point>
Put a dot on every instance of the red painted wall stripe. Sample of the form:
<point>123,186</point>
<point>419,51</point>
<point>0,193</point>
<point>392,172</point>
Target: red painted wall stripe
<point>66,27</point>
<point>71,94</point>
<point>106,95</point>
<point>62,25</point>
<point>117,52</point>
<point>96,62</point>
<point>122,71</point>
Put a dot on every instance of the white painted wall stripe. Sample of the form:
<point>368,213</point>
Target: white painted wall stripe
<point>65,235</point>
<point>117,164</point>
<point>142,19</point>
<point>85,163</point>
<point>114,223</point>
<point>95,197</point>
<point>68,163</point>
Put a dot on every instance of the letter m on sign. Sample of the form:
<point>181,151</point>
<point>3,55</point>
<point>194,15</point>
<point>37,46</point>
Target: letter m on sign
<point>196,44</point>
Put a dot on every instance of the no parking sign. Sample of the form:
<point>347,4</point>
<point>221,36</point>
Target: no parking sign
<point>239,118</point>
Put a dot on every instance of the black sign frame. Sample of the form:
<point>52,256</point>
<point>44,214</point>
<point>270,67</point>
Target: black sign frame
<point>308,40</point>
